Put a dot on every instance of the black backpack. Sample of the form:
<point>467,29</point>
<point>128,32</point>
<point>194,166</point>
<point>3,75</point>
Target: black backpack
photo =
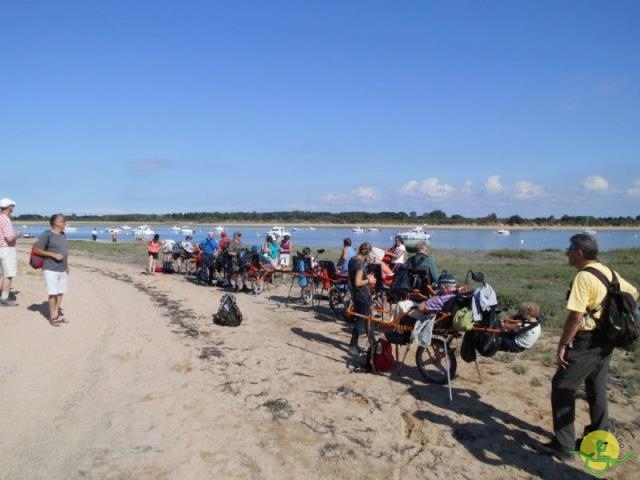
<point>487,344</point>
<point>228,313</point>
<point>167,266</point>
<point>618,323</point>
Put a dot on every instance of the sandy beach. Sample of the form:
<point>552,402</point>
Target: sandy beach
<point>140,384</point>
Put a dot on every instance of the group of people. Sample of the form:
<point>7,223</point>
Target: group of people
<point>222,257</point>
<point>51,246</point>
<point>583,354</point>
<point>361,280</point>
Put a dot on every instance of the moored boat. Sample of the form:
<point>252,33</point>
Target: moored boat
<point>414,235</point>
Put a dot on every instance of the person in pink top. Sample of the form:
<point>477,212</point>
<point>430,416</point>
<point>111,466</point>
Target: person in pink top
<point>153,247</point>
<point>8,261</point>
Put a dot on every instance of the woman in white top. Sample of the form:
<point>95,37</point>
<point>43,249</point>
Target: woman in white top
<point>398,251</point>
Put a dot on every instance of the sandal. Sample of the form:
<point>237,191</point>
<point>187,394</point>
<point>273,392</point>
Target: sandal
<point>61,319</point>
<point>54,322</point>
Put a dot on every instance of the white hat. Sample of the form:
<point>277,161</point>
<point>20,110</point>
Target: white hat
<point>7,202</point>
<point>376,255</point>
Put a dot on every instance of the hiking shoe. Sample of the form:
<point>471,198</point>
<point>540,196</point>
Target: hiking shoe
<point>554,449</point>
<point>8,303</point>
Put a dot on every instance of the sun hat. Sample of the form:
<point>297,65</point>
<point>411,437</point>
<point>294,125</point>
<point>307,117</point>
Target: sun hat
<point>7,202</point>
<point>377,254</point>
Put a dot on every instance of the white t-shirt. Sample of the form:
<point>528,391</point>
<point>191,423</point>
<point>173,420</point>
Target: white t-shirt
<point>529,338</point>
<point>398,254</point>
<point>168,245</point>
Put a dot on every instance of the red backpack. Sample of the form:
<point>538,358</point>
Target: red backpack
<point>382,358</point>
<point>35,260</point>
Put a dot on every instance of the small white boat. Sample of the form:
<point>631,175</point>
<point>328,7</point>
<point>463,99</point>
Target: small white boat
<point>126,227</point>
<point>143,231</point>
<point>373,229</point>
<point>357,230</point>
<point>593,233</point>
<point>312,228</point>
<point>186,230</point>
<point>415,234</point>
<point>175,228</point>
<point>219,228</point>
<point>278,232</point>
<point>503,232</point>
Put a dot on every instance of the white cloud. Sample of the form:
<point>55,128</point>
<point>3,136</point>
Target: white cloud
<point>596,183</point>
<point>430,187</point>
<point>635,190</point>
<point>410,188</point>
<point>359,195</point>
<point>526,190</point>
<point>334,198</point>
<point>367,194</point>
<point>466,186</point>
<point>493,185</point>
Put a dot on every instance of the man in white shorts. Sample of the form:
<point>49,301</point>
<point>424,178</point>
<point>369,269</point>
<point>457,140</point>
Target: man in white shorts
<point>8,261</point>
<point>52,245</point>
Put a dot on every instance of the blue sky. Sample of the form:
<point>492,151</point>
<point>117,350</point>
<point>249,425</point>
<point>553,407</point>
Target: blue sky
<point>512,107</point>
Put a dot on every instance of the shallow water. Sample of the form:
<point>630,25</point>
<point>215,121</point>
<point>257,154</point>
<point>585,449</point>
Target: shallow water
<point>463,239</point>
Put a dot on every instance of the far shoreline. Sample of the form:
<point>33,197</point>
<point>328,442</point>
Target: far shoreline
<point>396,226</point>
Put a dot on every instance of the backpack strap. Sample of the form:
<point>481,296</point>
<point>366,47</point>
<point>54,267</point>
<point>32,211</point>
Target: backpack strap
<point>612,285</point>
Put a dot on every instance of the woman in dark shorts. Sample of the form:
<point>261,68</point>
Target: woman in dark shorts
<point>360,283</point>
<point>153,247</point>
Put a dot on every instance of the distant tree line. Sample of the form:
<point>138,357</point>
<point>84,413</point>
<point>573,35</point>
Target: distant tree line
<point>435,217</point>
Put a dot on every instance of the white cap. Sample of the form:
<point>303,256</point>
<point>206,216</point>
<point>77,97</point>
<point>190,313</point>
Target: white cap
<point>7,202</point>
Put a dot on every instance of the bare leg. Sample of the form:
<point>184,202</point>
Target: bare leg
<point>6,287</point>
<point>54,304</point>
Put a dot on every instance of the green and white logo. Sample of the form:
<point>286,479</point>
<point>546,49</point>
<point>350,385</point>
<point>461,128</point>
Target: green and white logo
<point>600,451</point>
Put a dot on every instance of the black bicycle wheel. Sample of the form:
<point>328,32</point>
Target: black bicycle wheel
<point>339,301</point>
<point>433,364</point>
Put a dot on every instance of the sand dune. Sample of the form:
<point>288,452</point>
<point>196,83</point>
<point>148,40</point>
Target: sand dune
<point>140,384</point>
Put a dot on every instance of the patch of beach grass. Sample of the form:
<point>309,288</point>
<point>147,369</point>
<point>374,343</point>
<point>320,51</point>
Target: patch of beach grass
<point>520,369</point>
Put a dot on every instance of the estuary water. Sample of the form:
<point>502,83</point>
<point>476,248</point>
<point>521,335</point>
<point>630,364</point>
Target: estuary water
<point>463,239</point>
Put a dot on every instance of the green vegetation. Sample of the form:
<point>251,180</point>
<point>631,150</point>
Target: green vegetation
<point>517,276</point>
<point>435,217</point>
<point>520,369</point>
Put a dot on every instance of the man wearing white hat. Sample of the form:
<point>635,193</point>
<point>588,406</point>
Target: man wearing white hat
<point>8,261</point>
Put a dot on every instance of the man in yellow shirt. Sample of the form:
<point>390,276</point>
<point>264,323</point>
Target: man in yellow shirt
<point>583,354</point>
